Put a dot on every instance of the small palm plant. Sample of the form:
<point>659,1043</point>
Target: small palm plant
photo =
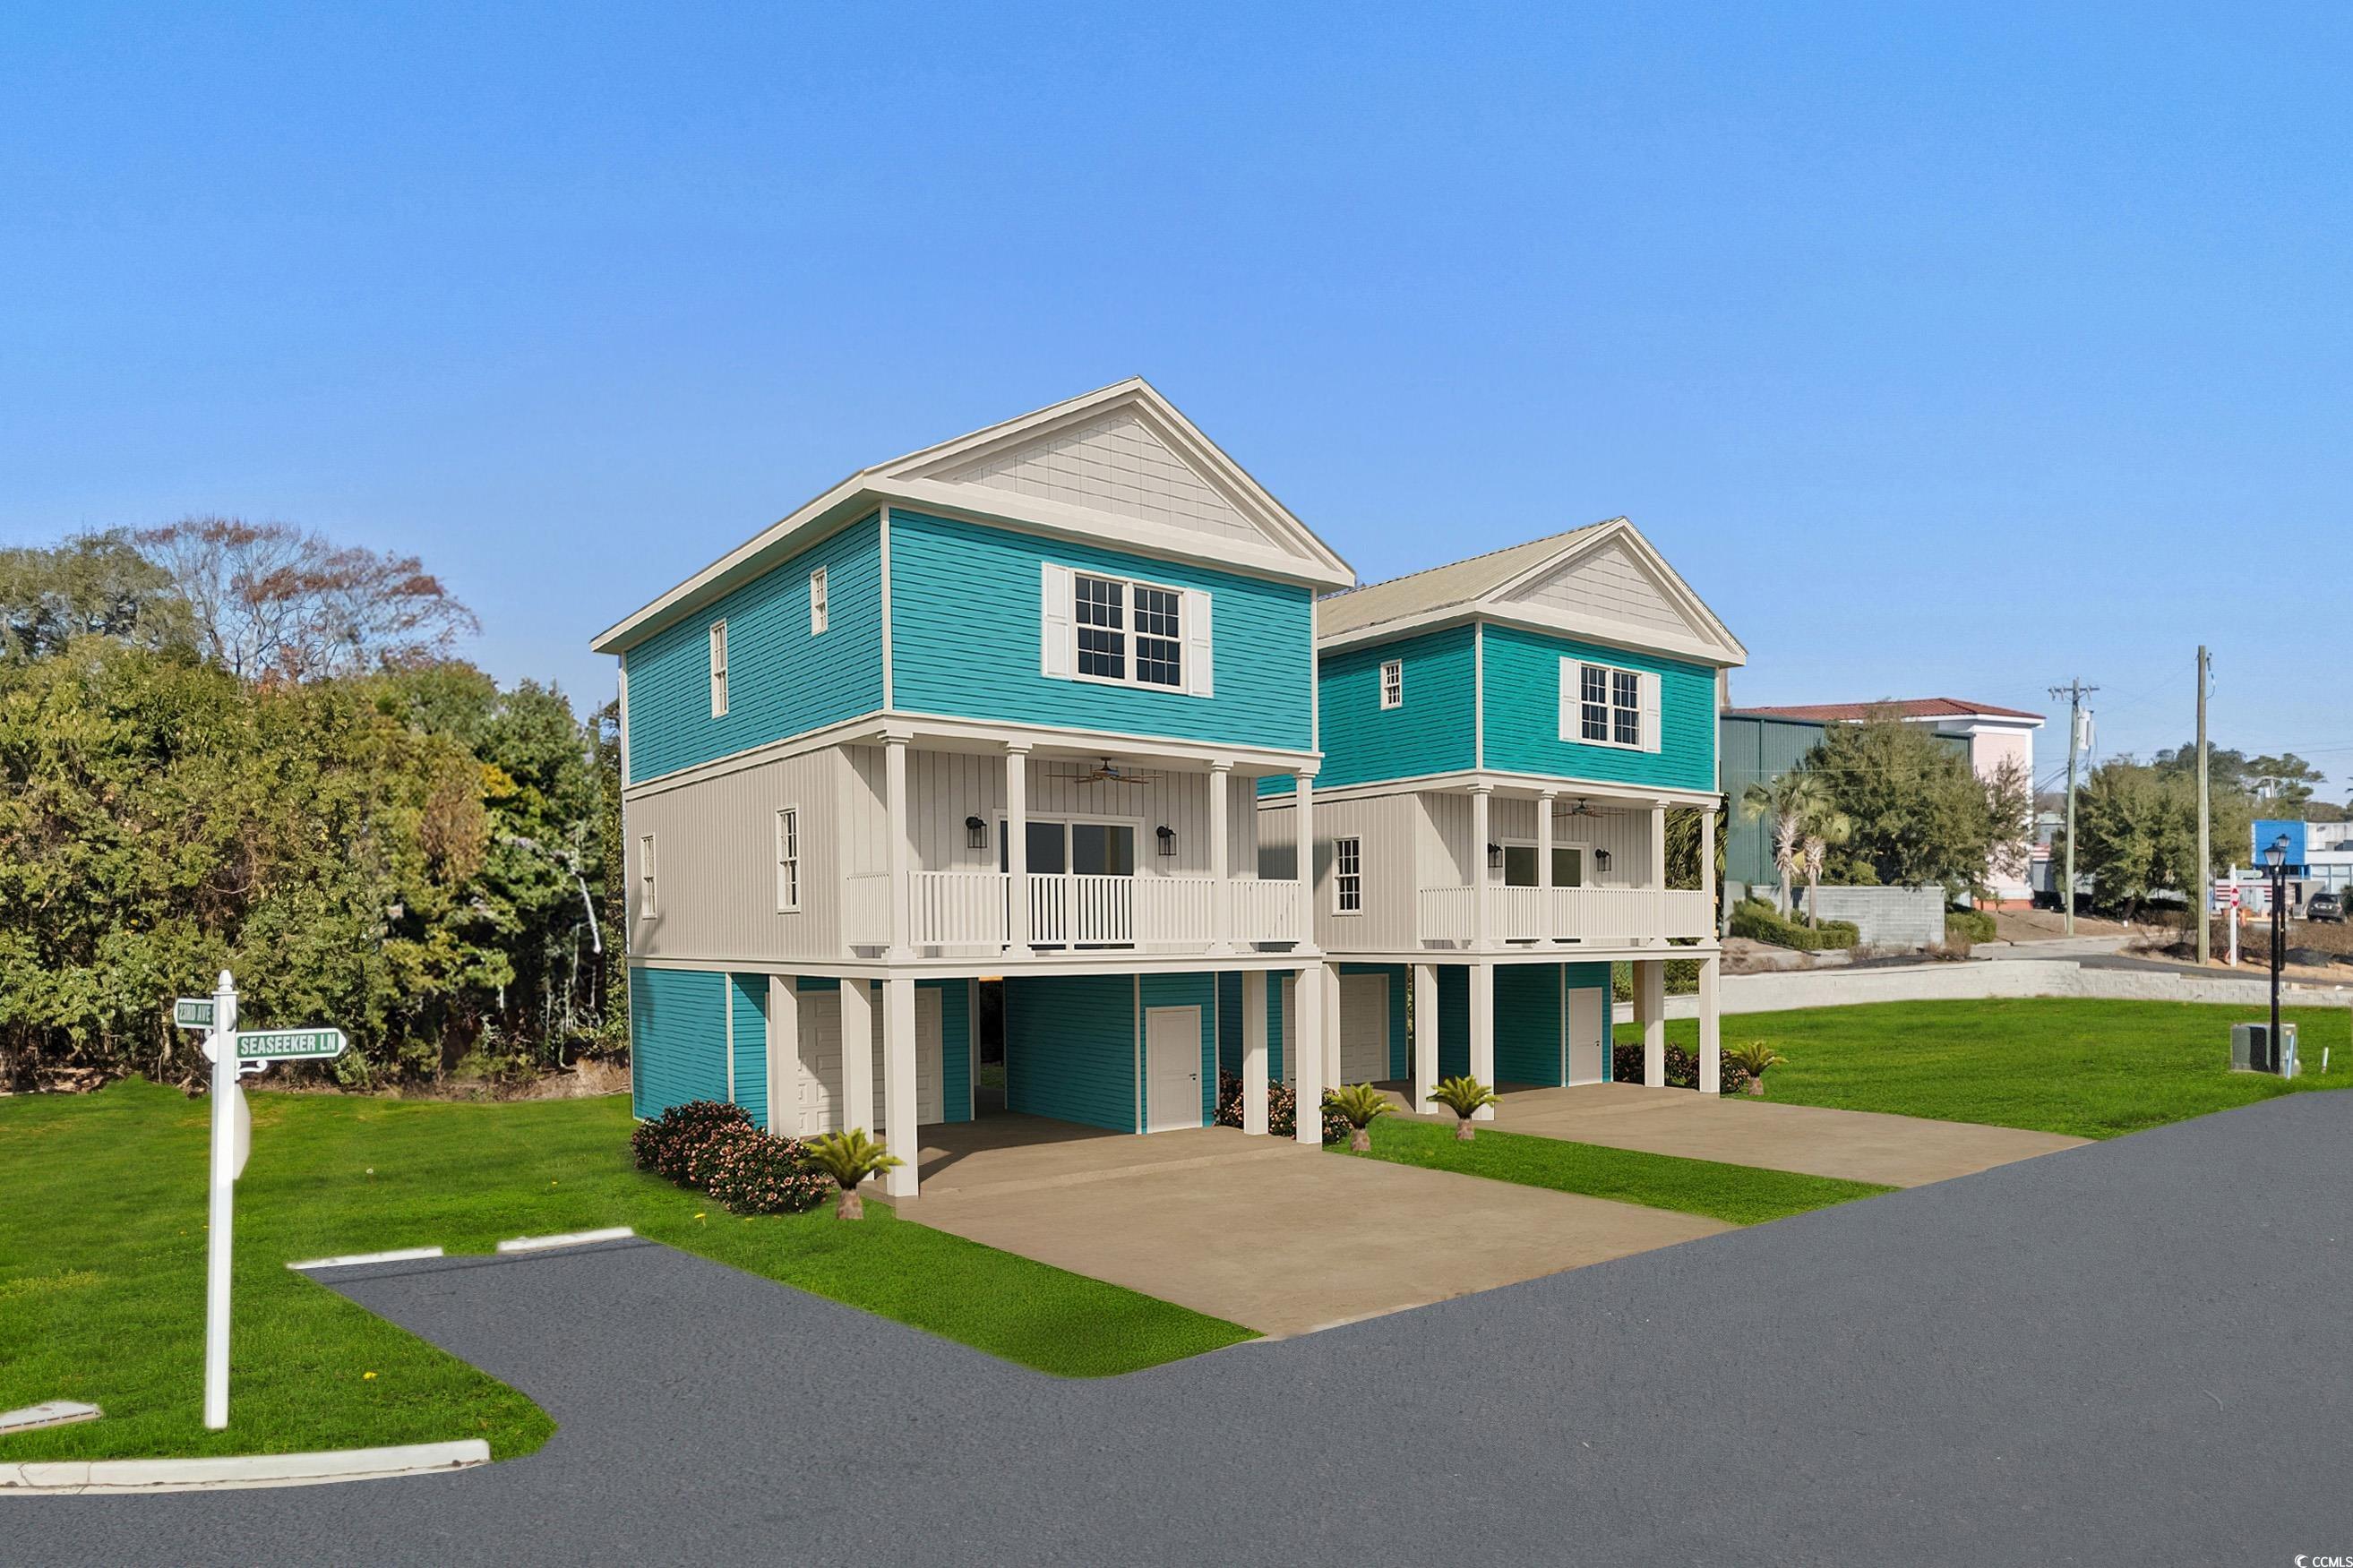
<point>1462,1095</point>
<point>849,1158</point>
<point>1359,1105</point>
<point>1753,1058</point>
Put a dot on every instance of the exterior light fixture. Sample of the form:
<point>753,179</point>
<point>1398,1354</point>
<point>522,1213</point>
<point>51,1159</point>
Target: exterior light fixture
<point>1168,837</point>
<point>1601,860</point>
<point>1495,857</point>
<point>975,833</point>
<point>2275,870</point>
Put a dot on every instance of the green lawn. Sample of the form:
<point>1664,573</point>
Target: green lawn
<point>2089,1069</point>
<point>102,1260</point>
<point>1740,1194</point>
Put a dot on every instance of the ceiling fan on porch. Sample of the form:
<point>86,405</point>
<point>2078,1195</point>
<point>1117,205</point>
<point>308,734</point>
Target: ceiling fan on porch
<point>1583,807</point>
<point>1109,772</point>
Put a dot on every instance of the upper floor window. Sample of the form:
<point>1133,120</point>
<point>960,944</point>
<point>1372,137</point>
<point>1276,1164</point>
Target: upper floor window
<point>646,876</point>
<point>719,669</point>
<point>1129,632</point>
<point>817,614</point>
<point>1393,683</point>
<point>789,860</point>
<point>1603,705</point>
<point>1348,876</point>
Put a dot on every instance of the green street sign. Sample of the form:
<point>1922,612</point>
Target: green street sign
<point>193,1012</point>
<point>288,1044</point>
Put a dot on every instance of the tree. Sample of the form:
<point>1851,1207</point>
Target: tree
<point>2137,832</point>
<point>1919,812</point>
<point>93,584</point>
<point>273,602</point>
<point>1825,828</point>
<point>1789,801</point>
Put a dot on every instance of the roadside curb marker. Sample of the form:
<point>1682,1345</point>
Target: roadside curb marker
<point>347,1259</point>
<point>569,1238</point>
<point>87,1475</point>
<point>48,1412</point>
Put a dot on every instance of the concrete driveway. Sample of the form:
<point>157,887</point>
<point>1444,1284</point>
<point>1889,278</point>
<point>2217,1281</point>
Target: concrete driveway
<point>1260,1231</point>
<point>1860,1145</point>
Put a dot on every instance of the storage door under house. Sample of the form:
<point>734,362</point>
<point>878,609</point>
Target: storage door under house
<point>1364,1028</point>
<point>1586,1027</point>
<point>821,1064</point>
<point>1172,1056</point>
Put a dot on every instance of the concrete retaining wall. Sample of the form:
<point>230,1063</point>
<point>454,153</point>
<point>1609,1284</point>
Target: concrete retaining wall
<point>2009,977</point>
<point>1887,917</point>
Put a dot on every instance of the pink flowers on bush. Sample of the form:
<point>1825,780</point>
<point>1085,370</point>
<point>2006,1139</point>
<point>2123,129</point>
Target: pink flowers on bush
<point>713,1148</point>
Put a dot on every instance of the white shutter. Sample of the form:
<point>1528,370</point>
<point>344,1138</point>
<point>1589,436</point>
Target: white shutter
<point>1571,672</point>
<point>1199,671</point>
<point>1056,605</point>
<point>1646,684</point>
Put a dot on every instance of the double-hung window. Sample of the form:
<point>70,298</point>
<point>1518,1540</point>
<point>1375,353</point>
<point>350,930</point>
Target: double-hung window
<point>1133,632</point>
<point>718,669</point>
<point>646,876</point>
<point>819,616</point>
<point>1605,706</point>
<point>1348,876</point>
<point>789,860</point>
<point>1393,683</point>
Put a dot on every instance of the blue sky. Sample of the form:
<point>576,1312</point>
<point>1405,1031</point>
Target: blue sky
<point>1949,354</point>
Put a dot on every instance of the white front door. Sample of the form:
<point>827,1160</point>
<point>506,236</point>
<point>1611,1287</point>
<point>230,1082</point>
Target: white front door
<point>1172,1074</point>
<point>1588,1028</point>
<point>1364,1028</point>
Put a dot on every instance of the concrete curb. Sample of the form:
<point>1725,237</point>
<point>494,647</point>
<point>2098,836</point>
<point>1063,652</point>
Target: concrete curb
<point>86,1476</point>
<point>568,1238</point>
<point>48,1412</point>
<point>352,1259</point>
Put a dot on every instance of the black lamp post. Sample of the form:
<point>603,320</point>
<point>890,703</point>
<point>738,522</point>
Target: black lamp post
<point>2276,868</point>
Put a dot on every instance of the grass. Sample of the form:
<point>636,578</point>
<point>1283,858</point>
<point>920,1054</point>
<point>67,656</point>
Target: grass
<point>2087,1069</point>
<point>102,1262</point>
<point>1737,1195</point>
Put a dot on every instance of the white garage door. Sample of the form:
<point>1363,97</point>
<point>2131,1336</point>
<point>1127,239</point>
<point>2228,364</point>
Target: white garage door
<point>820,1075</point>
<point>1364,1028</point>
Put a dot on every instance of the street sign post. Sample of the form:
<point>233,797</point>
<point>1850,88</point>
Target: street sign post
<point>233,1055</point>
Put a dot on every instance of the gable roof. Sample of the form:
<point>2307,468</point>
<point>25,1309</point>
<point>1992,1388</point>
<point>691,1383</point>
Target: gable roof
<point>1546,582</point>
<point>1907,707</point>
<point>1118,466</point>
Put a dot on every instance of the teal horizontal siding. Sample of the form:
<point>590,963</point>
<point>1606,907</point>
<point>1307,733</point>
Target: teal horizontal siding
<point>1434,731</point>
<point>678,1039</point>
<point>1454,1021</point>
<point>781,681</point>
<point>1527,1023</point>
<point>1523,702</point>
<point>956,1048</point>
<point>1229,1023</point>
<point>1188,991</point>
<point>965,629</point>
<point>751,1010</point>
<point>1070,1048</point>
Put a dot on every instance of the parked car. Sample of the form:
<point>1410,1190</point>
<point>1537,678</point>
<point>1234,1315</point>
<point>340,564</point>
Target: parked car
<point>2329,906</point>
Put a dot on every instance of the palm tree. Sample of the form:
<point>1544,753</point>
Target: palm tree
<point>1359,1105</point>
<point>849,1158</point>
<point>1790,800</point>
<point>1824,828</point>
<point>1462,1095</point>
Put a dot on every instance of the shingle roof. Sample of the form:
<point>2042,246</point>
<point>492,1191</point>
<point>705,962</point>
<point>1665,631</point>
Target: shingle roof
<point>1439,587</point>
<point>1909,707</point>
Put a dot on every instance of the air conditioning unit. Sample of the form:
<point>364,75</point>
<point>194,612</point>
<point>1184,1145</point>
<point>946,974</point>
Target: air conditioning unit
<point>2251,1049</point>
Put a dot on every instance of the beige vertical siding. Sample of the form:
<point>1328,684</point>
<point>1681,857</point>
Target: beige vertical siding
<point>714,859</point>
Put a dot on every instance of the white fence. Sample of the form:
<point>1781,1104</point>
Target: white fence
<point>972,910</point>
<point>1566,914</point>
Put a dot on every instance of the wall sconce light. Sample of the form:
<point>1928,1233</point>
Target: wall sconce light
<point>975,833</point>
<point>1167,837</point>
<point>1495,857</point>
<point>1601,860</point>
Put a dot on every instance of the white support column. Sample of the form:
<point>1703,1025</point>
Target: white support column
<point>1425,1036</point>
<point>1651,1012</point>
<point>894,805</point>
<point>1483,1031</point>
<point>1303,809</point>
<point>1307,1076</point>
<point>857,1056</point>
<point>1545,799</point>
<point>1711,1030</point>
<point>1254,1059</point>
<point>1658,880</point>
<point>784,1056</point>
<point>1708,870</point>
<point>1017,847</point>
<point>1331,1079</point>
<point>1481,924</point>
<point>1221,904</point>
<point>899,1084</point>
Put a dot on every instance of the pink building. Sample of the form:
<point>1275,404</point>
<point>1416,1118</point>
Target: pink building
<point>1996,735</point>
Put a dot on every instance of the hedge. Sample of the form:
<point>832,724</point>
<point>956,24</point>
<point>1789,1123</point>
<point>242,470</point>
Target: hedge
<point>1968,925</point>
<point>1763,922</point>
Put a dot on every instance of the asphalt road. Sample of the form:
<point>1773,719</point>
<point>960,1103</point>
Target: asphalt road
<point>2127,1354</point>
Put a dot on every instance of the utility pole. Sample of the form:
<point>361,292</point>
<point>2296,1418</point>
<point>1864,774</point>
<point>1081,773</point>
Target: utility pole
<point>2074,691</point>
<point>2205,822</point>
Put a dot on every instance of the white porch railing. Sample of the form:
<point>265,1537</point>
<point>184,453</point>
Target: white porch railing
<point>971,910</point>
<point>1566,914</point>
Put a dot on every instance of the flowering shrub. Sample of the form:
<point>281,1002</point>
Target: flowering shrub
<point>1282,1111</point>
<point>753,1172</point>
<point>1682,1069</point>
<point>666,1144</point>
